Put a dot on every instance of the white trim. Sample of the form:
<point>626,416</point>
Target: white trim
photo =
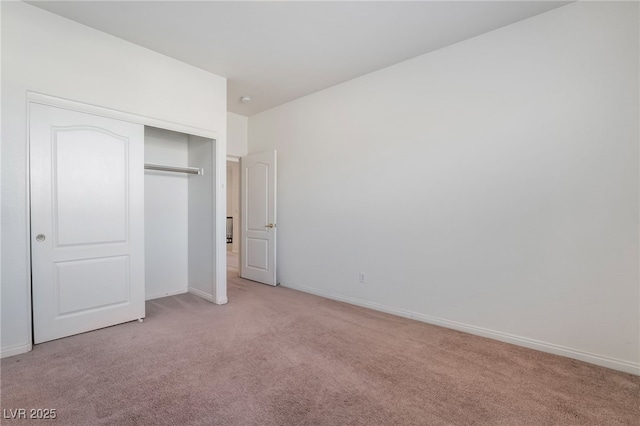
<point>233,158</point>
<point>119,115</point>
<point>15,350</point>
<point>202,294</point>
<point>601,360</point>
<point>161,295</point>
<point>220,241</point>
<point>29,295</point>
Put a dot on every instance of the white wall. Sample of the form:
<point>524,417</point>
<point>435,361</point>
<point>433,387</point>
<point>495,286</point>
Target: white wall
<point>237,146</point>
<point>1,199</point>
<point>45,53</point>
<point>166,214</point>
<point>237,126</point>
<point>490,186</point>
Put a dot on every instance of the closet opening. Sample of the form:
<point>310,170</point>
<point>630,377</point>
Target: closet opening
<point>180,224</point>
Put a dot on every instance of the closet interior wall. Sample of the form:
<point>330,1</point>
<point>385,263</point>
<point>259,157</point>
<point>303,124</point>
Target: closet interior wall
<point>179,216</point>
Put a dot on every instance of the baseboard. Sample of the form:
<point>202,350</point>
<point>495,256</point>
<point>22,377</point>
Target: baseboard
<point>210,298</point>
<point>202,294</point>
<point>15,350</point>
<point>601,360</point>
<point>158,296</point>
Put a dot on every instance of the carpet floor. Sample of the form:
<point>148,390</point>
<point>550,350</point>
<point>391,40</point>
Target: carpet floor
<point>275,356</point>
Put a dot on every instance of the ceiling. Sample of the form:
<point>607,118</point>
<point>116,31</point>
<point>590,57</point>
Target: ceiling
<point>276,52</point>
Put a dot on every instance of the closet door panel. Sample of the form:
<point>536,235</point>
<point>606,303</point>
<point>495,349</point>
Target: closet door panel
<point>87,221</point>
<point>90,186</point>
<point>109,278</point>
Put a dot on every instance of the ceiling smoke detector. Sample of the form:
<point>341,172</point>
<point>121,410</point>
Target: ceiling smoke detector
<point>245,99</point>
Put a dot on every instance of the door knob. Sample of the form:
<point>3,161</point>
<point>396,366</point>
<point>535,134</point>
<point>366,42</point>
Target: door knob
<point>40,238</point>
<point>271,225</point>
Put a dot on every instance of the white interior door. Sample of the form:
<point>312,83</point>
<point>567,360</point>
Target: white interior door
<point>258,230</point>
<point>87,221</point>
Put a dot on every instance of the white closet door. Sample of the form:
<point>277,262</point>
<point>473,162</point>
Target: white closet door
<point>87,221</point>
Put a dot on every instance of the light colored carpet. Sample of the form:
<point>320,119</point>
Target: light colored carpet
<point>275,356</point>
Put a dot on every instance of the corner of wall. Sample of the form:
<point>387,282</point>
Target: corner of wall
<point>237,129</point>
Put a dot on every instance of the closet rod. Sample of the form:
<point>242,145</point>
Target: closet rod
<point>178,169</point>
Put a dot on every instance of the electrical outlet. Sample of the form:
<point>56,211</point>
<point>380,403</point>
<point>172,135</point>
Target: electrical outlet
<point>363,277</point>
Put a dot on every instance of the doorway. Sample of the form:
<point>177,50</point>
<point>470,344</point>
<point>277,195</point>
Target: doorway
<point>233,214</point>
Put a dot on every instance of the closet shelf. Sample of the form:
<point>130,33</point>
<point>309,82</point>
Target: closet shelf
<point>176,169</point>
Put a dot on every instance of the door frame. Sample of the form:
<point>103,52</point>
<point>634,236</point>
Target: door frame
<point>236,159</point>
<point>219,146</point>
